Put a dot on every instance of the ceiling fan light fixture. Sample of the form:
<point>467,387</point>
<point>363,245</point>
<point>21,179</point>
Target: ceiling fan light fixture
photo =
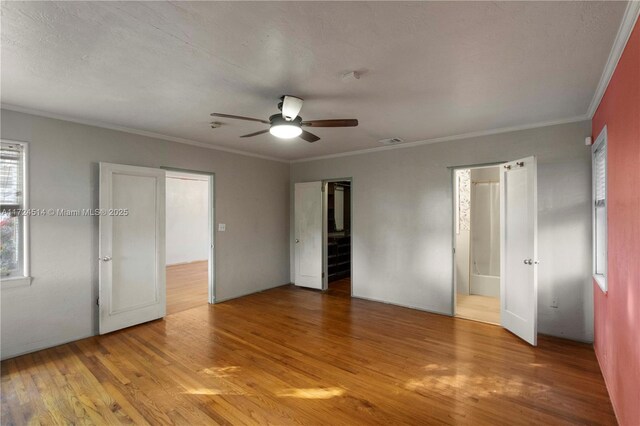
<point>285,131</point>
<point>288,124</point>
<point>291,107</point>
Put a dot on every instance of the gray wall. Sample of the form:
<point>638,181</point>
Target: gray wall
<point>402,220</point>
<point>252,198</point>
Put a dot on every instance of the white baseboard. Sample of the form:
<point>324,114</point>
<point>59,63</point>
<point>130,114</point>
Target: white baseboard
<point>186,263</point>
<point>402,305</point>
<point>41,345</point>
<point>224,299</point>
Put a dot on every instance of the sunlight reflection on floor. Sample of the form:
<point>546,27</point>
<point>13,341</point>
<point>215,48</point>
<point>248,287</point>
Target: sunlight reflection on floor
<point>206,392</point>
<point>311,393</point>
<point>221,371</point>
<point>449,382</point>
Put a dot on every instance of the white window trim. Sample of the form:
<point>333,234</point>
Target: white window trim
<point>24,280</point>
<point>601,279</point>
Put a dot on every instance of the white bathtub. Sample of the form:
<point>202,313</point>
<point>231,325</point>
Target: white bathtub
<point>484,285</point>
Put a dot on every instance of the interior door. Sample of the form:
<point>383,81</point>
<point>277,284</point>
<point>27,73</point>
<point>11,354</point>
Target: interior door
<point>308,234</point>
<point>132,246</point>
<point>519,248</point>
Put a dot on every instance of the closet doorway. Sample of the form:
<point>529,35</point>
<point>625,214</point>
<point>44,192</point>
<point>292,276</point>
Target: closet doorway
<point>337,241</point>
<point>477,244</point>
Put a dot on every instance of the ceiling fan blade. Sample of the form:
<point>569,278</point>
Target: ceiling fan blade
<point>347,122</point>
<point>238,117</point>
<point>291,107</point>
<point>309,137</point>
<point>254,134</point>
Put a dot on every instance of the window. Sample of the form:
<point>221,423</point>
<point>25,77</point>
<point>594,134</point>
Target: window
<point>599,173</point>
<point>14,269</point>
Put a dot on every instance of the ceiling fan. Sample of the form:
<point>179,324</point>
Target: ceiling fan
<point>289,124</point>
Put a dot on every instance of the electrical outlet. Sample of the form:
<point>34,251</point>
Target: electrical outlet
<point>222,227</point>
<point>554,302</point>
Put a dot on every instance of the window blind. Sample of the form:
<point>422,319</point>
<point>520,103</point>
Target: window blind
<point>600,164</point>
<point>11,176</point>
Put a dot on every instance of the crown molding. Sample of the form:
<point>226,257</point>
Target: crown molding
<point>448,138</point>
<point>154,135</point>
<point>146,133</point>
<point>624,32</point>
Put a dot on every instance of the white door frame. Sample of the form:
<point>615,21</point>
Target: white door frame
<point>453,170</point>
<point>212,221</point>
<point>325,231</point>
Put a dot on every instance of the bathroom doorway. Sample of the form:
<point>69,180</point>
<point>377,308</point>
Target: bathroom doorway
<point>477,244</point>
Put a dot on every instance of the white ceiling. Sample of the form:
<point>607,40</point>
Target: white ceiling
<point>429,70</point>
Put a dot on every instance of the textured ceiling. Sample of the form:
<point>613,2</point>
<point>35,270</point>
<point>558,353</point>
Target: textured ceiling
<point>428,70</point>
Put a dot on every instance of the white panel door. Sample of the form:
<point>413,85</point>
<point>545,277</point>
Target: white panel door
<point>132,246</point>
<point>519,248</point>
<point>308,234</point>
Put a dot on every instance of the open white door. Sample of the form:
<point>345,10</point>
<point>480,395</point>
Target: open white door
<point>308,234</point>
<point>519,248</point>
<point>132,246</point>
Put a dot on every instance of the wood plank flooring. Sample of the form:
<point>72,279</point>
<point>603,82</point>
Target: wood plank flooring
<point>187,286</point>
<point>478,308</point>
<point>294,356</point>
<point>340,288</point>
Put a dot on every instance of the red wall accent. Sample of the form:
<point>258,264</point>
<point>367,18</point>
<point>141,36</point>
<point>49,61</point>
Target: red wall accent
<point>617,313</point>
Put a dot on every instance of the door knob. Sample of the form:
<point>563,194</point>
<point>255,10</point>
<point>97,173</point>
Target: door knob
<point>105,259</point>
<point>528,262</point>
<point>297,241</point>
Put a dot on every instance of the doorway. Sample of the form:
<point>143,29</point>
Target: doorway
<point>488,239</point>
<point>477,244</point>
<point>189,240</point>
<point>322,234</point>
<point>337,241</point>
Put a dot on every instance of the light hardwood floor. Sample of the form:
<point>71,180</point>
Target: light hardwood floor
<point>294,356</point>
<point>187,286</point>
<point>478,308</point>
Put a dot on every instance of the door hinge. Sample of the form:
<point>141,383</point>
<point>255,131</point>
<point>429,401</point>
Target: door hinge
<point>454,250</point>
<point>98,301</point>
<point>323,187</point>
<point>323,275</point>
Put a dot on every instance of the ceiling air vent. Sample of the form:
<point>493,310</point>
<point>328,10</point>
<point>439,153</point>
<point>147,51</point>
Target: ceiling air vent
<point>391,141</point>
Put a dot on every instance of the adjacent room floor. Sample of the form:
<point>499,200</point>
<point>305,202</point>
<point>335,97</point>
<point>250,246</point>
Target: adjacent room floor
<point>290,355</point>
<point>187,286</point>
<point>478,308</point>
<point>340,288</point>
